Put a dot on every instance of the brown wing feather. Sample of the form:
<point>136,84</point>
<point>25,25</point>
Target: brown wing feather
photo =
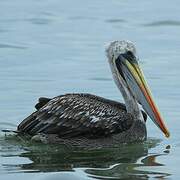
<point>73,115</point>
<point>42,101</point>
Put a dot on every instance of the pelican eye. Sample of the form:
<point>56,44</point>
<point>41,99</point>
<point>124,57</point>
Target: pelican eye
<point>129,56</point>
<point>130,53</point>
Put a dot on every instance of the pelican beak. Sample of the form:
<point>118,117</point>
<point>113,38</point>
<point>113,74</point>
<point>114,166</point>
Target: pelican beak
<point>136,82</point>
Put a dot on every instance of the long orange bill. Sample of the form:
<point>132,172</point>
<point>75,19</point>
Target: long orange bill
<point>136,82</point>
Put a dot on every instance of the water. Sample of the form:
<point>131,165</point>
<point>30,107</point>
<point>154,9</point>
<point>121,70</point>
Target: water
<point>50,47</point>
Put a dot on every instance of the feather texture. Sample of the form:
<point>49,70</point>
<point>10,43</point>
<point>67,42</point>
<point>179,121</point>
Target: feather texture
<point>73,115</point>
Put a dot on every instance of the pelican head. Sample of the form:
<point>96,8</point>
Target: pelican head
<point>131,82</point>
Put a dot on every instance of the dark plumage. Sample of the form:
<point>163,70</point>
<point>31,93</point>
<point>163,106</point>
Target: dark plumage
<point>74,115</point>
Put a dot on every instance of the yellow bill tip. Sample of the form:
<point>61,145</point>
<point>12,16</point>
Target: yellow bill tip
<point>167,134</point>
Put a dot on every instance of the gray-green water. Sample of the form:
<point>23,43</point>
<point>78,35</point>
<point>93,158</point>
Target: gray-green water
<point>52,47</point>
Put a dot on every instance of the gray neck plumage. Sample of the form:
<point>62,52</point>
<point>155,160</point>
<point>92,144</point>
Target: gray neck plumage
<point>132,106</point>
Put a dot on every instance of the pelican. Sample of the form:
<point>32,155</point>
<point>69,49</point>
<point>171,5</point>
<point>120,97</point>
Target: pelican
<point>90,119</point>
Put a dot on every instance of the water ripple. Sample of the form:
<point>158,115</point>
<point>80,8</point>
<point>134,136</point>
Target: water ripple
<point>82,18</point>
<point>3,30</point>
<point>163,23</point>
<point>100,79</point>
<point>39,21</point>
<point>10,46</point>
<point>115,21</point>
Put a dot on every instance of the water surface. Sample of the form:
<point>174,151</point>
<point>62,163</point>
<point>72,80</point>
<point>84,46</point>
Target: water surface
<point>48,48</point>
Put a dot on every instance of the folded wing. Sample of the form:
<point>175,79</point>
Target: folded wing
<point>73,115</point>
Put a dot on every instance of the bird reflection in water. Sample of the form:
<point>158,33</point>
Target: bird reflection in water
<point>144,168</point>
<point>128,161</point>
